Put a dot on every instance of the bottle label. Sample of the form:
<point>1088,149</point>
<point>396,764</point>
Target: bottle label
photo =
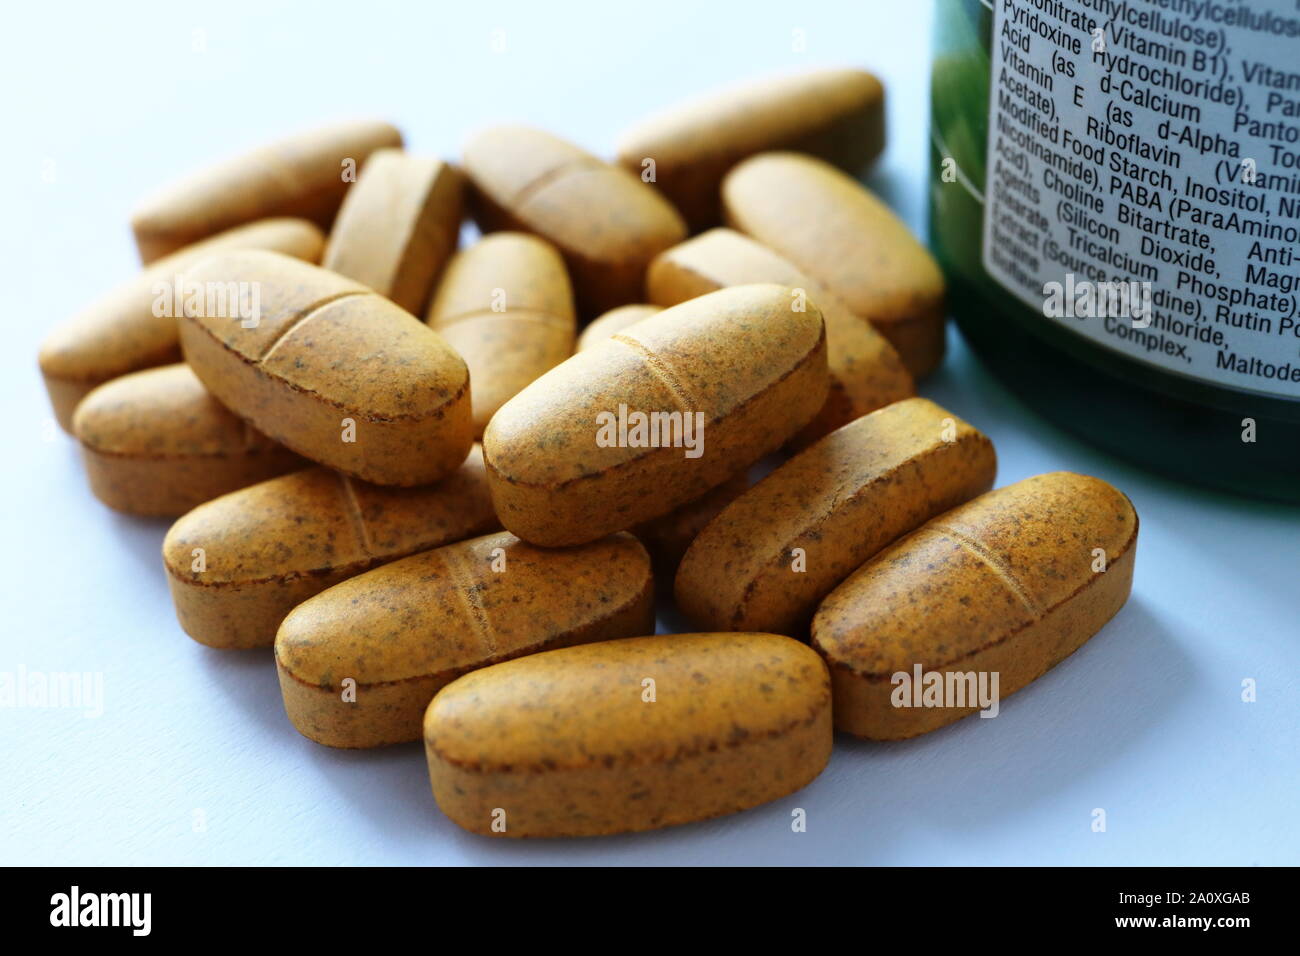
<point>1143,180</point>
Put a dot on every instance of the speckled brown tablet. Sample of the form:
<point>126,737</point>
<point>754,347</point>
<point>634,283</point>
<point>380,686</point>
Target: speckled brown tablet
<point>866,372</point>
<point>766,560</point>
<point>665,537</point>
<point>330,369</point>
<point>628,735</point>
<point>398,226</point>
<point>836,114</point>
<point>613,322</point>
<point>121,333</point>
<point>506,306</point>
<point>264,550</point>
<point>1009,584</point>
<point>301,175</point>
<point>157,443</point>
<point>655,416</point>
<point>402,632</point>
<point>606,222</point>
<point>834,229</point>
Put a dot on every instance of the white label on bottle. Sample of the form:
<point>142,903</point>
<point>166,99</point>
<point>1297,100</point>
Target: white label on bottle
<point>1143,180</point>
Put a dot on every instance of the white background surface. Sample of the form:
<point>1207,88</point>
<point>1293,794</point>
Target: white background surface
<point>105,101</point>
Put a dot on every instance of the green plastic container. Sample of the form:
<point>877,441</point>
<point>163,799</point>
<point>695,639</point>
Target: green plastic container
<point>1178,424</point>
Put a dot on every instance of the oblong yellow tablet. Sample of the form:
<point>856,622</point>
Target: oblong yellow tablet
<point>605,221</point>
<point>398,226</point>
<point>127,330</point>
<point>237,565</point>
<point>976,603</point>
<point>628,735</point>
<point>157,443</point>
<point>866,373</point>
<point>655,416</point>
<point>833,228</point>
<point>506,306</point>
<point>767,559</point>
<point>837,114</point>
<point>304,174</point>
<point>359,663</point>
<point>328,368</point>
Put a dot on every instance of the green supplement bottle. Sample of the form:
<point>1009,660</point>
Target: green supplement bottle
<point>1115,199</point>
